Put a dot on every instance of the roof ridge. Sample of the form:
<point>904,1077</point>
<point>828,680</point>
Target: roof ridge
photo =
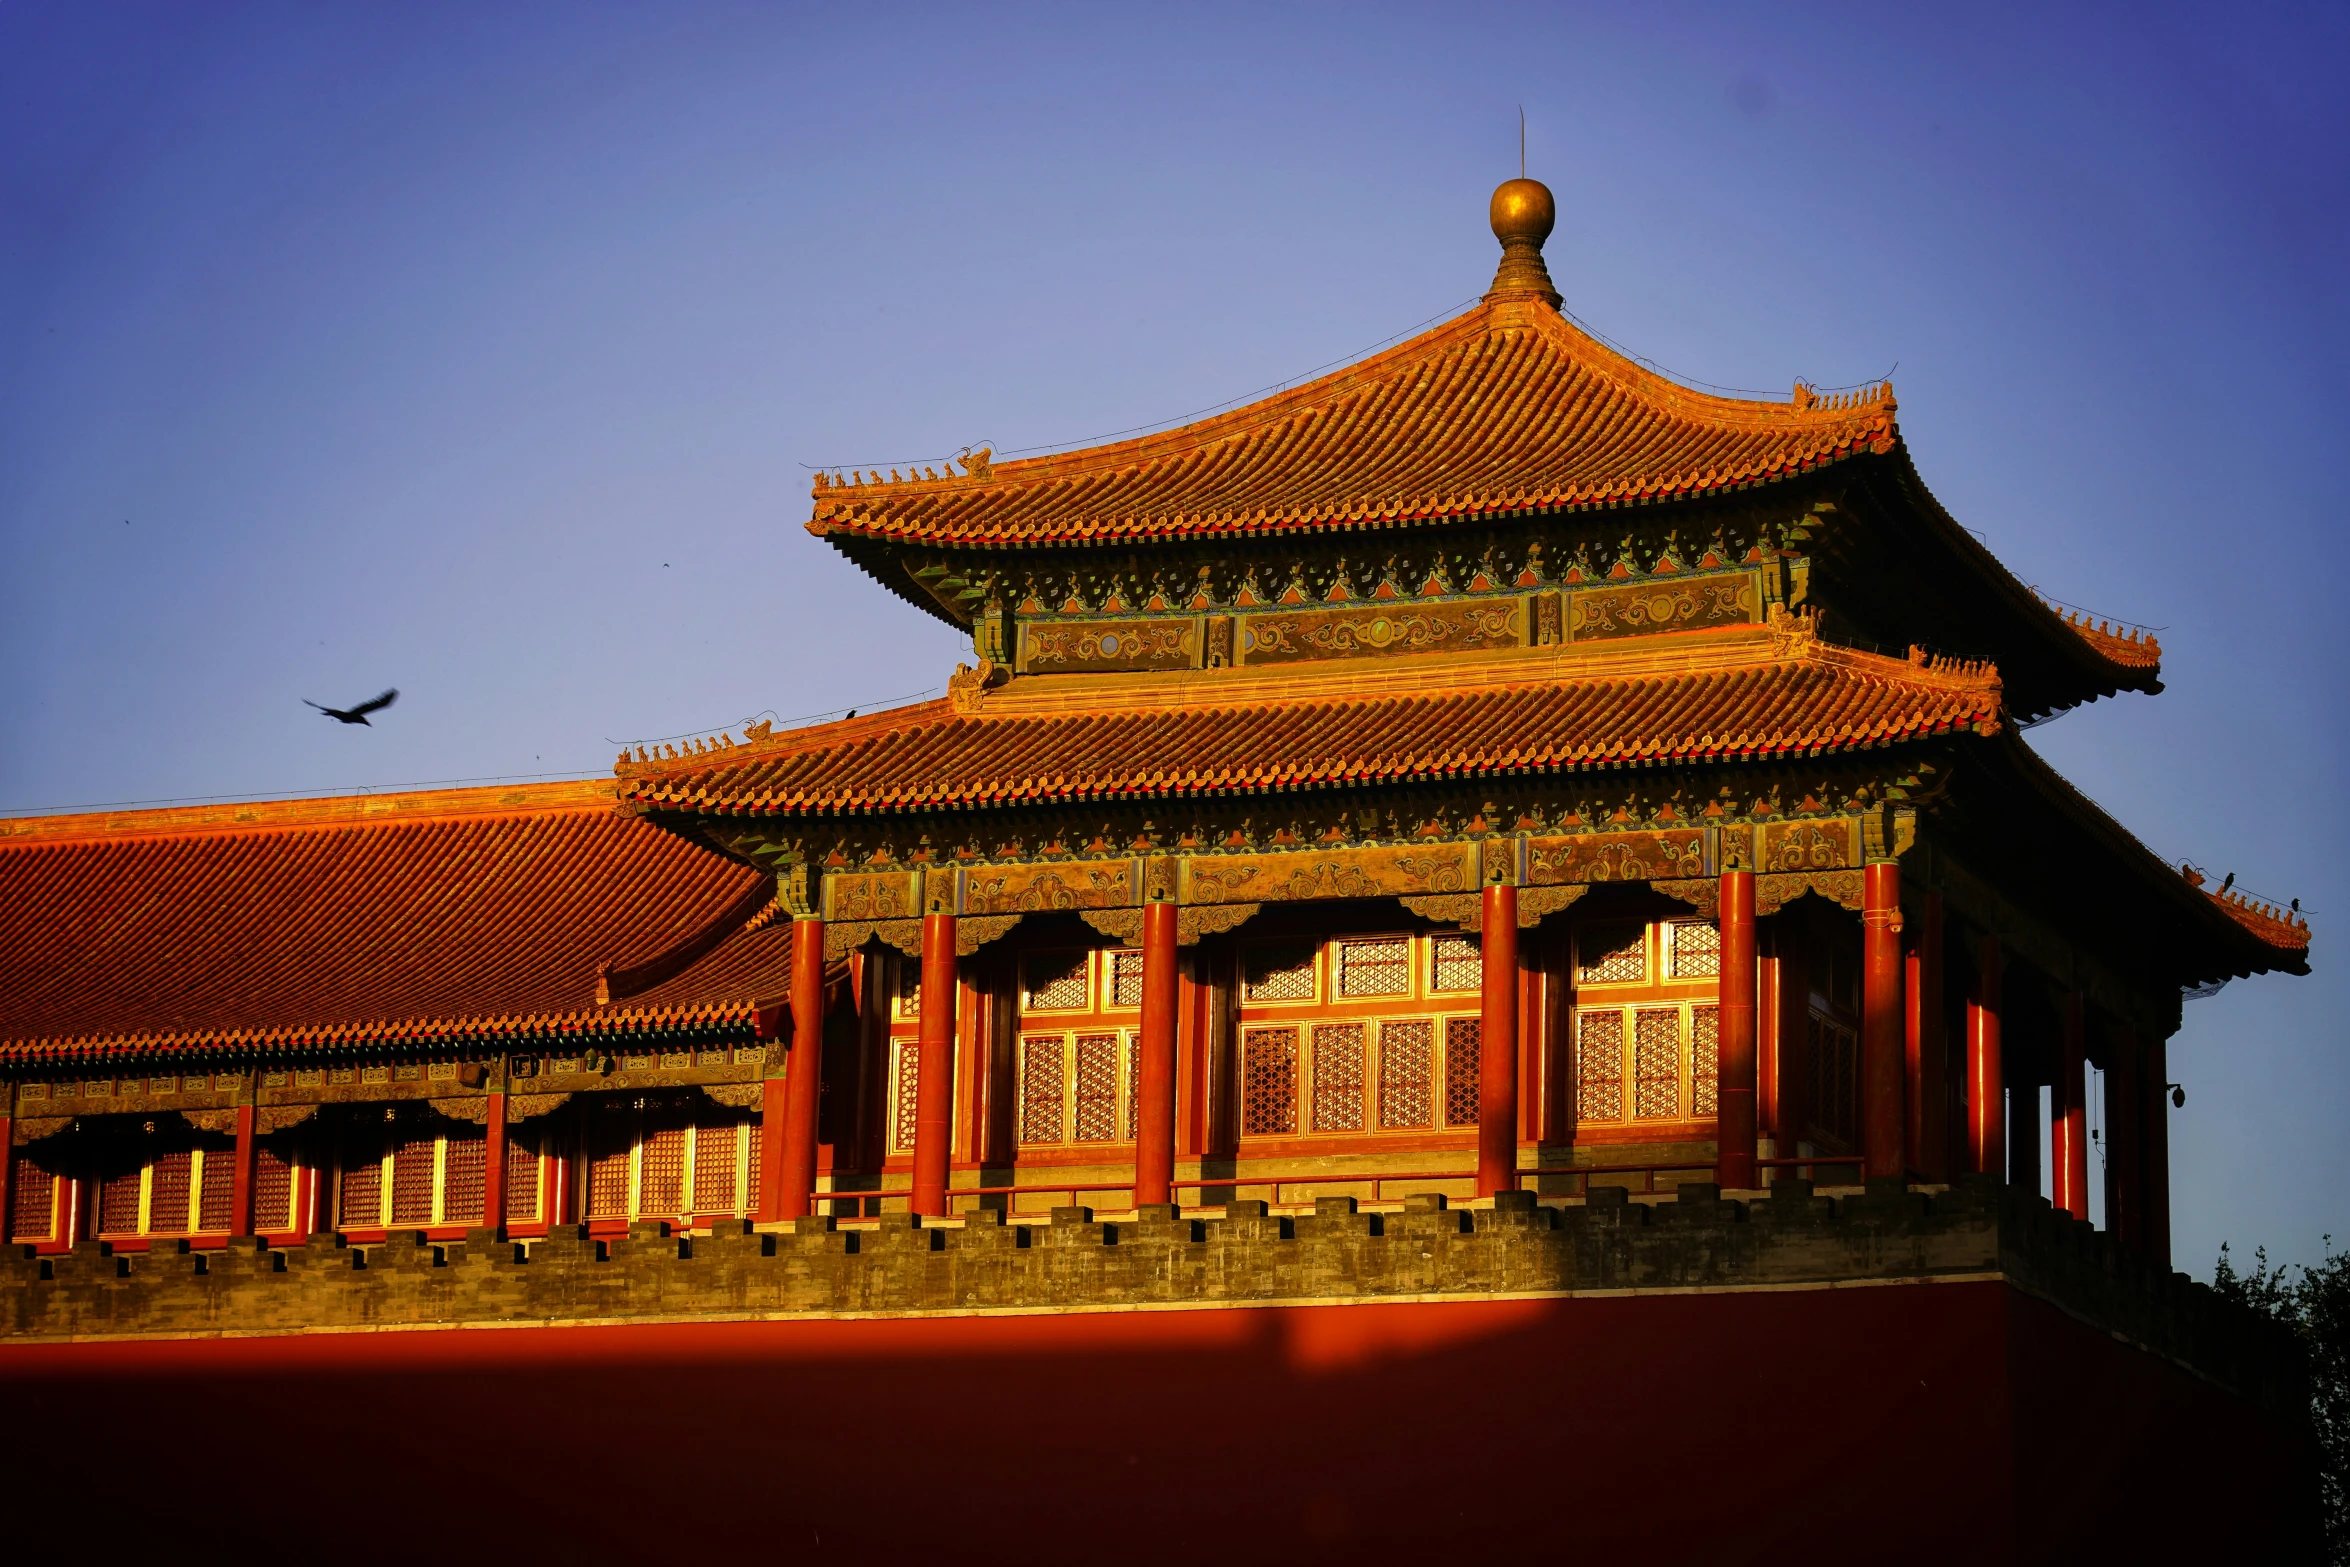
<point>309,812</point>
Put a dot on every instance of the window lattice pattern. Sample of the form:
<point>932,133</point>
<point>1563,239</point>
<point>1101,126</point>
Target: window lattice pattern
<point>1126,979</point>
<point>1278,971</point>
<point>1461,1035</point>
<point>1133,1087</point>
<point>1696,949</point>
<point>1375,968</point>
<point>1656,1062</point>
<point>1097,1088</point>
<point>908,1094</point>
<point>465,1172</point>
<point>168,1192</point>
<point>273,1189</point>
<point>1268,1082</point>
<point>217,1194</point>
<point>1407,1087</point>
<point>118,1203</point>
<point>1040,1090</point>
<point>1056,981</point>
<point>660,1181</point>
<point>412,1181</point>
<point>1835,1079</point>
<point>751,1197</point>
<point>1611,954</point>
<point>1338,1077</point>
<point>608,1157</point>
<point>1459,963</point>
<point>909,990</point>
<point>1599,1066</point>
<point>522,1177</point>
<point>362,1194</point>
<point>36,1202</point>
<point>1705,1061</point>
<point>714,1155</point>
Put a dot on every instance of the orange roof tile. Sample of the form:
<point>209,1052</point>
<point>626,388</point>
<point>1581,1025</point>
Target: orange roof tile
<point>1505,408</point>
<point>1747,695</point>
<point>2280,928</point>
<point>461,915</point>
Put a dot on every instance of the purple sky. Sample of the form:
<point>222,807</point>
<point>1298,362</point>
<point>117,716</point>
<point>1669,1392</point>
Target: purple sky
<point>482,352</point>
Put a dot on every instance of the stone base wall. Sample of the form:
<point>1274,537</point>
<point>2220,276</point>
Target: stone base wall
<point>984,1263</point>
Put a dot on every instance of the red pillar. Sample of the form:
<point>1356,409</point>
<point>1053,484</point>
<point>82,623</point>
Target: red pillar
<point>493,1175</point>
<point>1986,1079</point>
<point>7,1165</point>
<point>1735,1124</point>
<point>2068,1114</point>
<point>1925,1042</point>
<point>934,1083</point>
<point>1882,1148</point>
<point>1497,1046</point>
<point>1154,1076</point>
<point>2155,1087</point>
<point>794,1131</point>
<point>240,1189</point>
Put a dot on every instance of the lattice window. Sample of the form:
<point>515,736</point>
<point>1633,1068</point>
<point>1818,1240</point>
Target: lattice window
<point>35,1206</point>
<point>118,1202</point>
<point>465,1164</point>
<point>660,1181</point>
<point>361,1198</point>
<point>216,1197</point>
<point>1615,954</point>
<point>1055,981</point>
<point>1835,1079</point>
<point>412,1165</point>
<point>909,998</point>
<point>909,1089</point>
<point>1338,1077</point>
<point>1458,963</point>
<point>1277,971</point>
<point>715,1149</point>
<point>1097,1088</point>
<point>1462,1096</point>
<point>1041,1088</point>
<point>1599,1065</point>
<point>1133,1086</point>
<point>522,1177</point>
<point>610,1151</point>
<point>1694,949</point>
<point>273,1190</point>
<point>1705,1061</point>
<point>751,1198</point>
<point>1407,1062</point>
<point>1656,1063</point>
<point>1268,1082</point>
<point>1125,979</point>
<point>1375,968</point>
<point>168,1191</point>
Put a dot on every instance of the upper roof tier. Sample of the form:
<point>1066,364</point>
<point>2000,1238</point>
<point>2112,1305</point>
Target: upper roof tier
<point>451,915</point>
<point>1508,408</point>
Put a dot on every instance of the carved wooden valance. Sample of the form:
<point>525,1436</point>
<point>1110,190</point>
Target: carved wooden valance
<point>735,1096</point>
<point>1774,890</point>
<point>525,1107</point>
<point>212,1120</point>
<point>1466,910</point>
<point>32,1128</point>
<point>474,1108</point>
<point>276,1118</point>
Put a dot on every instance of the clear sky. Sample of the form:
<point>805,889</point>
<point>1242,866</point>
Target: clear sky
<point>484,351</point>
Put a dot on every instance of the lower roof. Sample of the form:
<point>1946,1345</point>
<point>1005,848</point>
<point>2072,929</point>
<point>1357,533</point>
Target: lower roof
<point>1756,693</point>
<point>450,915</point>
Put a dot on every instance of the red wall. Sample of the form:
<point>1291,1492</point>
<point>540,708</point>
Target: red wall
<point>1913,1423</point>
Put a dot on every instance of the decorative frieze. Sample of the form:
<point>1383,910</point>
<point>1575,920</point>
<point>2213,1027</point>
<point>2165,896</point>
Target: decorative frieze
<point>1660,855</point>
<point>1089,646</point>
<point>1383,871</point>
<point>1376,629</point>
<point>1664,604</point>
<point>1810,845</point>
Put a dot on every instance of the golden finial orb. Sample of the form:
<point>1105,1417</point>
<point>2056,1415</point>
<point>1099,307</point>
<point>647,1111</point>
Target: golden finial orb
<point>1523,210</point>
<point>1523,214</point>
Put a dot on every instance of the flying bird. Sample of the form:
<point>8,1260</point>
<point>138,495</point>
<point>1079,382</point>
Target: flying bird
<point>358,714</point>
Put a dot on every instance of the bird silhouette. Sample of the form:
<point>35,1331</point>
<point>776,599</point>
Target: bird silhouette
<point>356,714</point>
<point>2230,882</point>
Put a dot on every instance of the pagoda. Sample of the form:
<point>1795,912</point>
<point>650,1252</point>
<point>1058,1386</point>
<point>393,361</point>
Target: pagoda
<point>1492,829</point>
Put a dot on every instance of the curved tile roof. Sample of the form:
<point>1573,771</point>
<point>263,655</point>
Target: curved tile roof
<point>1745,703</point>
<point>469,914</point>
<point>1505,408</point>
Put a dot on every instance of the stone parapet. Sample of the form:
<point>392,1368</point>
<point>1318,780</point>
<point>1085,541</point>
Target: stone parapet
<point>1699,1241</point>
